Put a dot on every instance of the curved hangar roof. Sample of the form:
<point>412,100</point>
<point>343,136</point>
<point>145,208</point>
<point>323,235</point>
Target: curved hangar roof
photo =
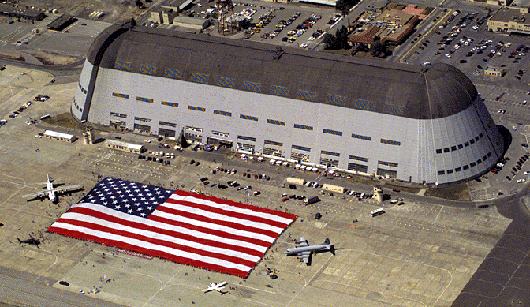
<point>398,89</point>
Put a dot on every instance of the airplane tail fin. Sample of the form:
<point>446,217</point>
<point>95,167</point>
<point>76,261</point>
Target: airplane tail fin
<point>48,177</point>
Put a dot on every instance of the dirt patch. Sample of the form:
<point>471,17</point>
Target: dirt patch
<point>51,58</point>
<point>452,192</point>
<point>11,55</point>
<point>65,120</point>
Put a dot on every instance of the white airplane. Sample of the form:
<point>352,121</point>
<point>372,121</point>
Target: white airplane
<point>216,287</point>
<point>51,191</point>
<point>304,251</point>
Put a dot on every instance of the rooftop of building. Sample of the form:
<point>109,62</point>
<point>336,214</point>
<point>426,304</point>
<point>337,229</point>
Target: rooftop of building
<point>511,14</point>
<point>404,90</point>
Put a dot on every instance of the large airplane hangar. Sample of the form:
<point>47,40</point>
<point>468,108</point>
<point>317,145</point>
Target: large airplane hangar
<point>415,124</point>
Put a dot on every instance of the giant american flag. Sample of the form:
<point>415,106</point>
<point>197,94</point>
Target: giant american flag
<point>184,227</point>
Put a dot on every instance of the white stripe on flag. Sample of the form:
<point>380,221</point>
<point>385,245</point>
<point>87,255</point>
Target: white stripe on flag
<point>213,226</point>
<point>150,234</point>
<point>222,217</point>
<point>195,233</point>
<point>228,207</point>
<point>151,246</point>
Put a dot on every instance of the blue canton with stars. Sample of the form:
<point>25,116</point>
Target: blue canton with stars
<point>128,197</point>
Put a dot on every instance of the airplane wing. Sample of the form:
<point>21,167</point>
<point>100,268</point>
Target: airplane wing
<point>305,257</point>
<point>33,196</point>
<point>302,242</point>
<point>54,183</point>
<point>68,188</point>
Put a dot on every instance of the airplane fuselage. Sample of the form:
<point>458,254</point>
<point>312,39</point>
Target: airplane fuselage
<point>311,248</point>
<point>51,192</point>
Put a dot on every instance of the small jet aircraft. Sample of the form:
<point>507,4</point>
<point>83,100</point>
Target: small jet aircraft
<point>30,241</point>
<point>51,191</point>
<point>216,287</point>
<point>304,251</point>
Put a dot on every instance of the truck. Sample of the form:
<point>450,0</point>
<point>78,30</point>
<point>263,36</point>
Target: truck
<point>293,180</point>
<point>311,200</point>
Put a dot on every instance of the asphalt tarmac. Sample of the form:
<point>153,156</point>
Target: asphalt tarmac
<point>25,289</point>
<point>503,277</point>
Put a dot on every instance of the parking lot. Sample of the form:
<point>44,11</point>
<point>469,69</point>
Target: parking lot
<point>288,25</point>
<point>462,40</point>
<point>415,254</point>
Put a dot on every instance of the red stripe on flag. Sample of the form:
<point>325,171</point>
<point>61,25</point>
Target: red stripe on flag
<point>237,215</point>
<point>236,204</point>
<point>155,253</point>
<point>205,219</point>
<point>218,233</point>
<point>161,242</point>
<point>172,233</point>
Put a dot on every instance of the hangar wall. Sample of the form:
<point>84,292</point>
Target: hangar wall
<point>468,140</point>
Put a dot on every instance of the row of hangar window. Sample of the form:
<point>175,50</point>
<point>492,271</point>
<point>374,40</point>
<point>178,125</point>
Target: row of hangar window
<point>256,119</point>
<point>465,167</point>
<point>460,146</point>
<point>331,155</point>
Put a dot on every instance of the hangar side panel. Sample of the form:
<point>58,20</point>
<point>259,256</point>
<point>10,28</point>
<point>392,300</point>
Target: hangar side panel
<point>414,155</point>
<point>80,99</point>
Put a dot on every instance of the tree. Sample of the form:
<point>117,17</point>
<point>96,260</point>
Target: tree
<point>378,48</point>
<point>329,41</point>
<point>341,38</point>
<point>345,5</point>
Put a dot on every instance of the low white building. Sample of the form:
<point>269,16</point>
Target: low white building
<point>59,136</point>
<point>123,146</point>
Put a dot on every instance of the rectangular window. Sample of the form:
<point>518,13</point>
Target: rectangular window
<point>460,146</point>
<point>193,108</point>
<point>298,126</point>
<point>449,171</point>
<point>466,144</point>
<point>120,115</point>
<point>489,154</point>
<point>248,117</point>
<point>357,167</point>
<point>389,164</point>
<point>476,138</point>
<point>446,149</point>
<point>246,138</point>
<point>275,122</point>
<point>472,164</point>
<point>466,167</point>
<point>479,161</point>
<point>439,151</point>
<point>269,142</point>
<point>167,124</point>
<point>481,135</point>
<point>453,148</point>
<point>221,112</point>
<point>143,99</point>
<point>334,132</point>
<point>329,161</point>
<point>330,153</point>
<point>472,141</point>
<point>142,119</point>
<point>442,172</point>
<point>458,169</point>
<point>390,142</point>
<point>221,134</point>
<point>353,157</point>
<point>386,173</point>
<point>302,148</point>
<point>170,104</point>
<point>124,96</point>
<point>361,137</point>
